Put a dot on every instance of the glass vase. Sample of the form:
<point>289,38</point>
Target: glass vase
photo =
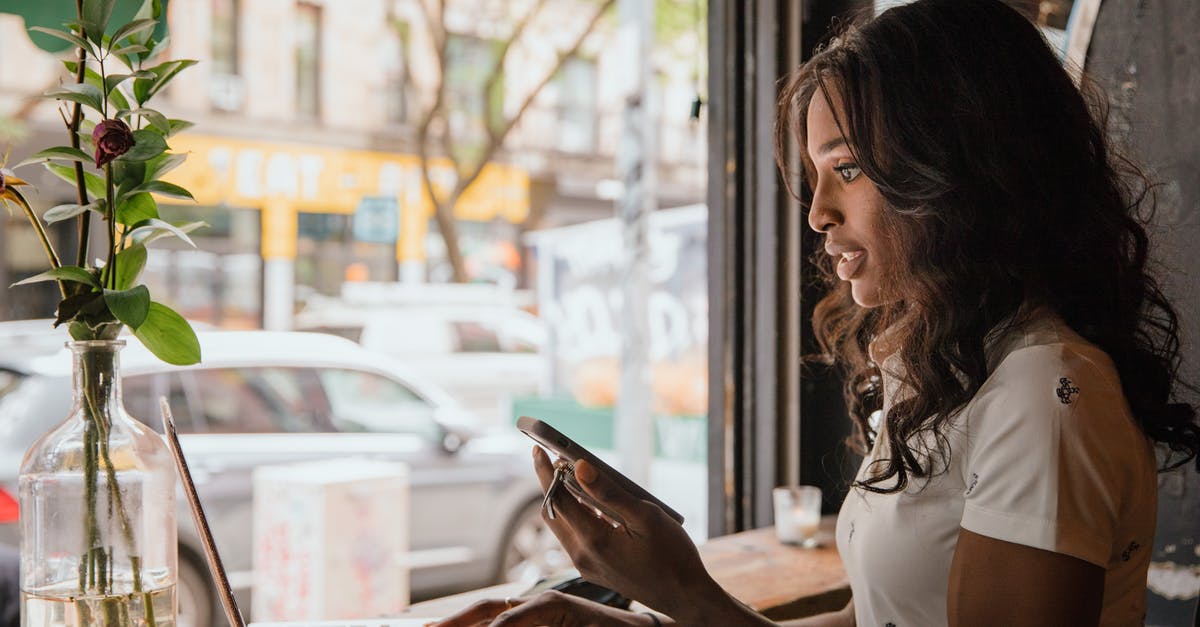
<point>97,497</point>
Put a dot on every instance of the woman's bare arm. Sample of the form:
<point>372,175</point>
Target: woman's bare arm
<point>735,614</point>
<point>994,582</point>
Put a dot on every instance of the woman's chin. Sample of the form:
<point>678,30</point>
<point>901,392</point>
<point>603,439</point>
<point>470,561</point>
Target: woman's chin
<point>865,293</point>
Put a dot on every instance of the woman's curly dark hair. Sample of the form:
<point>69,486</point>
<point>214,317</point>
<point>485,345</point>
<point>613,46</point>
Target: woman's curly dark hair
<point>1002,190</point>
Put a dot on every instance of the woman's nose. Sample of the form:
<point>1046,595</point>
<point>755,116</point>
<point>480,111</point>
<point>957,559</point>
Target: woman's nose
<point>821,217</point>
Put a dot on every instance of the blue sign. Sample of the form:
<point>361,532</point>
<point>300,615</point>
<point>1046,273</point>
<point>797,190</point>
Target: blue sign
<point>377,220</point>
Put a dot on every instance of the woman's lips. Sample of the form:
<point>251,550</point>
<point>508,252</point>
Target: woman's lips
<point>849,264</point>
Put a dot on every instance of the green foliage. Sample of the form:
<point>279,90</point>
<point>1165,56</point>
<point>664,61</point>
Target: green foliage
<point>98,301</point>
<point>130,306</point>
<point>63,273</point>
<point>169,336</point>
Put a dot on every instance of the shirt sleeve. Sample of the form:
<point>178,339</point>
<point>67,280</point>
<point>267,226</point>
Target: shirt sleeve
<point>1044,465</point>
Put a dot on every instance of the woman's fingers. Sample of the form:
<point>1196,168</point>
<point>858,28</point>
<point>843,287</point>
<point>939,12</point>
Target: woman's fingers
<point>481,612</point>
<point>544,467</point>
<point>604,489</point>
<point>548,608</point>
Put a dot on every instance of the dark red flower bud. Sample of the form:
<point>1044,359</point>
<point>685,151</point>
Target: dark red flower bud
<point>113,139</point>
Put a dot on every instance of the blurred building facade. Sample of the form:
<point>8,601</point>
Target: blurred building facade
<point>304,158</point>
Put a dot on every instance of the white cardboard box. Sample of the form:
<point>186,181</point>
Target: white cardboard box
<point>329,540</point>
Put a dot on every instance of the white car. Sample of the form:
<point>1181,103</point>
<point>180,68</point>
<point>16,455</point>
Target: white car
<point>481,355</point>
<point>274,398</point>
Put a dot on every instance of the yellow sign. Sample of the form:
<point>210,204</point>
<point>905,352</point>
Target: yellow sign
<point>282,179</point>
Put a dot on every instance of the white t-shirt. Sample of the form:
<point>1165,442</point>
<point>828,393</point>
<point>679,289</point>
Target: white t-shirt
<point>1046,455</point>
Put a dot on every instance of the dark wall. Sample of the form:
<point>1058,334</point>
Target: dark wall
<point>1146,55</point>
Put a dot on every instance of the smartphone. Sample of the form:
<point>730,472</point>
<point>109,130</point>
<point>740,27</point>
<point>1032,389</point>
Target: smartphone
<point>570,452</point>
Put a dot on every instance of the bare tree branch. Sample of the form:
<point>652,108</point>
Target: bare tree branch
<point>497,69</point>
<point>495,140</point>
<point>444,208</point>
<point>442,212</point>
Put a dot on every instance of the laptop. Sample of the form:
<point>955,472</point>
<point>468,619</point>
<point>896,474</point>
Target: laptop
<point>217,568</point>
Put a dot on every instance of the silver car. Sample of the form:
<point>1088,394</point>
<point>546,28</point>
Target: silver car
<point>263,398</point>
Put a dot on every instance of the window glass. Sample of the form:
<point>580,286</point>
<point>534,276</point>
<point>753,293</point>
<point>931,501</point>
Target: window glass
<point>141,394</point>
<point>365,401</point>
<point>8,381</point>
<point>468,61</point>
<point>308,65</point>
<point>394,63</point>
<point>576,84</point>
<point>225,36</point>
<point>259,400</point>
<point>475,337</point>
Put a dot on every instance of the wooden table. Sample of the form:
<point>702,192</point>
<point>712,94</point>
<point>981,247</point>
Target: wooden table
<point>779,581</point>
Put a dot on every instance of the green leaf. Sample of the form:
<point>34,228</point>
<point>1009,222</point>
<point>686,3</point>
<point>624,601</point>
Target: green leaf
<point>80,331</point>
<point>67,36</point>
<point>145,88</point>
<point>131,49</point>
<point>68,211</point>
<point>186,227</point>
<point>94,184</point>
<point>167,335</point>
<point>137,208</point>
<point>164,188</point>
<point>147,145</point>
<point>133,28</point>
<point>129,306</point>
<point>118,99</point>
<point>130,263</point>
<point>151,229</point>
<point>96,14</point>
<point>157,48</point>
<point>128,175</point>
<point>150,10</point>
<point>156,119</point>
<point>62,273</point>
<point>162,164</point>
<point>179,125</point>
<point>84,94</point>
<point>66,153</point>
<point>113,80</point>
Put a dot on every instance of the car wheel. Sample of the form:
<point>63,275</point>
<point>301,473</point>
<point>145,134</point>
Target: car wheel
<point>194,595</point>
<point>530,551</point>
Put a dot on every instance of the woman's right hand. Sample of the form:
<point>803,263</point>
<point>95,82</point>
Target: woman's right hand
<point>547,608</point>
<point>650,558</point>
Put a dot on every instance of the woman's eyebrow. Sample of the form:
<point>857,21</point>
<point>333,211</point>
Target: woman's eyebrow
<point>830,145</point>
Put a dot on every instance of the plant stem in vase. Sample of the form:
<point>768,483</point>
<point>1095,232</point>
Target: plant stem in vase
<point>105,556</point>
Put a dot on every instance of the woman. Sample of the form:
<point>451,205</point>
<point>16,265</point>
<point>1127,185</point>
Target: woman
<point>1010,357</point>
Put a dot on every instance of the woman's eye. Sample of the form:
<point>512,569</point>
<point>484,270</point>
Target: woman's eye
<point>847,171</point>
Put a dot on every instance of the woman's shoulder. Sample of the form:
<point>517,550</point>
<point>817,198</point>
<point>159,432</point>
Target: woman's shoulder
<point>1046,374</point>
<point>1046,351</point>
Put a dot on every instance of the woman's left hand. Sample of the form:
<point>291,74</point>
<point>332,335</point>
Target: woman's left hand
<point>547,608</point>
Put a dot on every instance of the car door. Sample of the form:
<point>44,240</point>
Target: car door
<point>454,495</point>
<point>232,420</point>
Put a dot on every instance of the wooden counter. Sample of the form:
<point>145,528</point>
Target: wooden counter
<point>778,580</point>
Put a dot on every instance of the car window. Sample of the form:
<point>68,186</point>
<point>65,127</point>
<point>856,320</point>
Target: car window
<point>366,401</point>
<point>141,394</point>
<point>9,381</point>
<point>352,333</point>
<point>259,400</point>
<point>475,337</point>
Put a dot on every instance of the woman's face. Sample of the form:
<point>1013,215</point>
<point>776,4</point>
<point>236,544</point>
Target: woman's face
<point>846,206</point>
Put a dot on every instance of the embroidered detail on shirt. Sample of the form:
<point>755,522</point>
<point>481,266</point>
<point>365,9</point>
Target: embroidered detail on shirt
<point>1066,391</point>
<point>974,482</point>
<point>1128,552</point>
<point>890,624</point>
